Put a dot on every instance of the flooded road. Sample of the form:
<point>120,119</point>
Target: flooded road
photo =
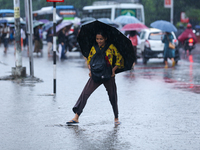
<point>158,108</point>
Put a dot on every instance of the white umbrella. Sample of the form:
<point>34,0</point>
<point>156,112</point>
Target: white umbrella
<point>126,19</point>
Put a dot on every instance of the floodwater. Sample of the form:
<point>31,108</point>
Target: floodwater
<point>158,108</point>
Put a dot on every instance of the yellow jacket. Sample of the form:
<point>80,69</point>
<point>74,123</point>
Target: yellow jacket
<point>110,52</point>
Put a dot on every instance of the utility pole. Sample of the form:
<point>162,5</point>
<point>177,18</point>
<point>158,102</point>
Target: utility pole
<point>172,12</point>
<point>18,70</point>
<point>29,28</point>
<point>54,42</point>
<point>170,4</point>
<point>54,47</point>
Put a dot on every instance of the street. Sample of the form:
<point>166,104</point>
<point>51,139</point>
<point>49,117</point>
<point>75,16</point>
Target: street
<point>158,107</point>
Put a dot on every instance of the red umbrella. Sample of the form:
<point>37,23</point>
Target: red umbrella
<point>134,26</point>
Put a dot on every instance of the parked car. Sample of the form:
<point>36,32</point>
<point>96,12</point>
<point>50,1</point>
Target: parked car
<point>151,45</point>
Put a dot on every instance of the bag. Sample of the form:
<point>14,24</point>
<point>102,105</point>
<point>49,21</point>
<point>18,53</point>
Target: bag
<point>101,69</point>
<point>172,46</point>
<point>3,35</point>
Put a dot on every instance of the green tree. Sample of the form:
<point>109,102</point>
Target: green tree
<point>154,10</point>
<point>193,14</point>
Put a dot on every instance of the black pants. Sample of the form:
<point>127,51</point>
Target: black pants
<point>90,87</point>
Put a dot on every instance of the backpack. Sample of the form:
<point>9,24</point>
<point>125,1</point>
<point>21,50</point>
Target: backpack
<point>101,69</point>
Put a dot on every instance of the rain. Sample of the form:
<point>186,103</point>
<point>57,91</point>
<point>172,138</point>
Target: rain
<point>158,106</point>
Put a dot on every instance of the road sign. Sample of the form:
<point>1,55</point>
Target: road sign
<point>55,0</point>
<point>167,3</point>
<point>184,18</point>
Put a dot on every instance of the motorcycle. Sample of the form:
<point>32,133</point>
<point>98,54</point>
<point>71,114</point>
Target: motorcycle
<point>189,45</point>
<point>72,43</point>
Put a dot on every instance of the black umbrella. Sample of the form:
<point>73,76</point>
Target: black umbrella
<point>87,39</point>
<point>86,19</point>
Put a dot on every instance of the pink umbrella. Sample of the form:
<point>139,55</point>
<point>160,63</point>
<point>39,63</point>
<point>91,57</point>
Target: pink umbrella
<point>134,26</point>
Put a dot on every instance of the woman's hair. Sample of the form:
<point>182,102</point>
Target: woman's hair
<point>101,32</point>
<point>132,33</point>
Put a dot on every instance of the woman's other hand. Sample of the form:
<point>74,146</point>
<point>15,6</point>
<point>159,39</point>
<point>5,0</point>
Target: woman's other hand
<point>113,71</point>
<point>90,74</point>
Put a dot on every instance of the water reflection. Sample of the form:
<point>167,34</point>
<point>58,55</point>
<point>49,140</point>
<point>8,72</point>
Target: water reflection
<point>191,75</point>
<point>187,81</point>
<point>90,138</point>
<point>190,58</point>
<point>168,76</point>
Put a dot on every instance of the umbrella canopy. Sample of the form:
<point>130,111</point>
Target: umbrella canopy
<point>3,21</point>
<point>108,21</point>
<point>87,39</point>
<point>86,19</point>
<point>37,23</point>
<point>134,26</point>
<point>44,20</point>
<point>197,26</point>
<point>47,25</point>
<point>163,25</point>
<point>62,25</point>
<point>126,19</point>
<point>105,20</point>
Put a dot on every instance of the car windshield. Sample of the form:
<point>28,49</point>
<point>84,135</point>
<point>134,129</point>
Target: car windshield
<point>155,36</point>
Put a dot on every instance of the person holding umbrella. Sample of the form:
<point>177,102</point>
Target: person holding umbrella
<point>166,27</point>
<point>62,41</point>
<point>5,36</point>
<point>168,52</point>
<point>49,40</point>
<point>135,40</point>
<point>101,45</point>
<point>37,40</point>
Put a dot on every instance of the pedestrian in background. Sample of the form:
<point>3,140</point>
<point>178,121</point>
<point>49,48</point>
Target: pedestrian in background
<point>37,39</point>
<point>110,51</point>
<point>5,36</point>
<point>49,40</point>
<point>41,37</point>
<point>168,52</point>
<point>23,37</point>
<point>135,40</point>
<point>61,41</point>
<point>12,36</point>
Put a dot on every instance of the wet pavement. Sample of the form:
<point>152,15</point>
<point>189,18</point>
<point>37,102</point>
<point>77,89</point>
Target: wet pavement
<point>158,108</point>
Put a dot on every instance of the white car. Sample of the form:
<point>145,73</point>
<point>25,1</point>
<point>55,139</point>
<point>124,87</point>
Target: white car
<point>151,45</point>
